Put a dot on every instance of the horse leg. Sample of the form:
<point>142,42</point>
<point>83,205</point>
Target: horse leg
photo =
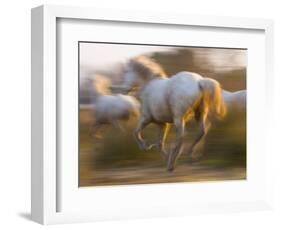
<point>173,156</point>
<point>142,123</point>
<point>94,127</point>
<point>163,133</point>
<point>116,124</point>
<point>203,128</point>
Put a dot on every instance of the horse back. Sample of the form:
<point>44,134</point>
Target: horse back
<point>184,93</point>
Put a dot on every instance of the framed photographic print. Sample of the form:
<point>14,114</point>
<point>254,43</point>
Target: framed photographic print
<point>138,114</point>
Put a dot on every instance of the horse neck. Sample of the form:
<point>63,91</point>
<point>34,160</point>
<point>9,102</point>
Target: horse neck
<point>145,81</point>
<point>94,94</point>
<point>152,77</point>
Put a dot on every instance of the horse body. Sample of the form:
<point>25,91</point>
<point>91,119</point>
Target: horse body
<point>107,108</point>
<point>163,99</point>
<point>172,100</point>
<point>235,100</point>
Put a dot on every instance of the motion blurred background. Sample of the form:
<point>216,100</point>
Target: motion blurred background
<point>115,157</point>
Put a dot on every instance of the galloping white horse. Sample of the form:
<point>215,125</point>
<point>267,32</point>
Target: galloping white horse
<point>235,101</point>
<point>109,109</point>
<point>174,100</point>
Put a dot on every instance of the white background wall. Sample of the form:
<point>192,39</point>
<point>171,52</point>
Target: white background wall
<point>15,113</point>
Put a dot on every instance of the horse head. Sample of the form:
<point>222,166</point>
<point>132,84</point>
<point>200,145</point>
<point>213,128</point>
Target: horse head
<point>139,70</point>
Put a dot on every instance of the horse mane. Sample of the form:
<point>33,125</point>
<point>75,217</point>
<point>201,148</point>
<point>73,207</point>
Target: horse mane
<point>100,84</point>
<point>147,67</point>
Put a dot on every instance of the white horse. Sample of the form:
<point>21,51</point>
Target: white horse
<point>174,100</point>
<point>107,108</point>
<point>235,101</point>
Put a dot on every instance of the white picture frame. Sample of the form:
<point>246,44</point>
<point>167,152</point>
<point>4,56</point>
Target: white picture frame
<point>45,163</point>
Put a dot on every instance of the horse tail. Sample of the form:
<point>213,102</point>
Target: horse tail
<point>212,96</point>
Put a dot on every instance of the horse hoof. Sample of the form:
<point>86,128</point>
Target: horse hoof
<point>147,147</point>
<point>143,147</point>
<point>194,159</point>
<point>170,169</point>
<point>151,146</point>
<point>96,136</point>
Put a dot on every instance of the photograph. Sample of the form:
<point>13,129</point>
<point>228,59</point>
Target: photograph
<point>157,113</point>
